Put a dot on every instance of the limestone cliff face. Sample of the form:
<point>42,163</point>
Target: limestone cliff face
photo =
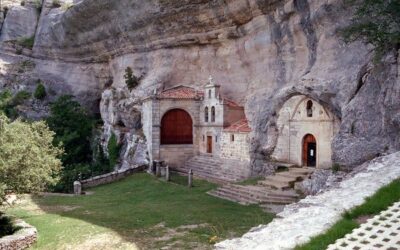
<point>262,52</point>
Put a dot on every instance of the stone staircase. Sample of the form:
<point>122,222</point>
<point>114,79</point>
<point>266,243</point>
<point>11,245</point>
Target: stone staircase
<point>272,193</point>
<point>215,169</point>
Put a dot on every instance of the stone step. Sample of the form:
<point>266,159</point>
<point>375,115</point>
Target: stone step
<point>298,176</point>
<point>279,178</point>
<point>252,199</point>
<point>229,197</point>
<point>275,184</point>
<point>199,170</point>
<point>301,170</point>
<point>262,191</point>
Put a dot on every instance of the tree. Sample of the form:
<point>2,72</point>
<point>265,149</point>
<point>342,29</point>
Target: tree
<point>40,92</point>
<point>29,162</point>
<point>73,127</point>
<point>375,22</point>
<point>130,79</point>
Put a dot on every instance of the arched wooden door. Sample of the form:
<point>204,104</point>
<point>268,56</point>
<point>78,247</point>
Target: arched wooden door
<point>176,127</point>
<point>309,151</point>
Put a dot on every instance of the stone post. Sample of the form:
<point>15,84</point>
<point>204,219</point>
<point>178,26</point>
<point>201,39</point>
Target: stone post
<point>190,178</point>
<point>167,173</point>
<point>158,169</point>
<point>77,188</point>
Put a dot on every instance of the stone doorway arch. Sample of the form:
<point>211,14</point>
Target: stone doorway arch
<point>309,151</point>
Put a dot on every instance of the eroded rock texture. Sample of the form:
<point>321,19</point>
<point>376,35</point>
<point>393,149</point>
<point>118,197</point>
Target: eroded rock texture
<point>261,52</point>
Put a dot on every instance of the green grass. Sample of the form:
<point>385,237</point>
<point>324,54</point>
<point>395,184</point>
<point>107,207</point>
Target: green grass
<point>380,201</point>
<point>132,211</point>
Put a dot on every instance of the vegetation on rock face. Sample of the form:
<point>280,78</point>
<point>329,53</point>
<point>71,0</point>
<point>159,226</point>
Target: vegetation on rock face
<point>130,79</point>
<point>56,4</point>
<point>27,42</point>
<point>40,92</point>
<point>376,22</point>
<point>9,102</point>
<point>29,161</point>
<point>113,150</point>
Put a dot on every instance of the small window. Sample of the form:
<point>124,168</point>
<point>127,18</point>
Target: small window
<point>206,114</point>
<point>209,94</point>
<point>212,114</point>
<point>232,137</point>
<point>309,108</point>
<point>216,138</point>
<point>204,138</point>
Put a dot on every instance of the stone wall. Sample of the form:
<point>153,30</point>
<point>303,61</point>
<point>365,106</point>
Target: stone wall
<point>176,155</point>
<point>110,177</point>
<point>21,239</point>
<point>236,149</point>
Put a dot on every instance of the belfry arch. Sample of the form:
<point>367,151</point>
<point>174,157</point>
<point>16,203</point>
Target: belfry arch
<point>305,132</point>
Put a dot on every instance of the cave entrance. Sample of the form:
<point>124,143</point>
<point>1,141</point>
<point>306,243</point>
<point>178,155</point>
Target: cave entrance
<point>309,151</point>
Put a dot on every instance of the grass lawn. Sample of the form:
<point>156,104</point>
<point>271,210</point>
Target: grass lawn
<point>139,211</point>
<point>373,205</point>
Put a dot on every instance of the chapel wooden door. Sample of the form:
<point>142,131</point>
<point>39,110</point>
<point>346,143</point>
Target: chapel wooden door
<point>209,144</point>
<point>309,151</point>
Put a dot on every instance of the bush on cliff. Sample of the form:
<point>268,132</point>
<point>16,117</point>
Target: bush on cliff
<point>130,79</point>
<point>40,92</point>
<point>375,22</point>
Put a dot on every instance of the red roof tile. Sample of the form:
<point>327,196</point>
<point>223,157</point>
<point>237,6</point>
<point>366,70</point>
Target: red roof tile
<point>239,126</point>
<point>181,92</point>
<point>231,103</point>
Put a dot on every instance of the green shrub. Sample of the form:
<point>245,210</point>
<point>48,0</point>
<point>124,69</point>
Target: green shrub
<point>27,42</point>
<point>20,97</point>
<point>336,168</point>
<point>71,173</point>
<point>130,79</point>
<point>113,150</point>
<point>38,5</point>
<point>56,4</point>
<point>40,92</point>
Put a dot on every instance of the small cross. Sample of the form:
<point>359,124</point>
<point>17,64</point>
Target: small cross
<point>211,80</point>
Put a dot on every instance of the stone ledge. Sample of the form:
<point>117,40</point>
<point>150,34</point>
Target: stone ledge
<point>111,177</point>
<point>21,239</point>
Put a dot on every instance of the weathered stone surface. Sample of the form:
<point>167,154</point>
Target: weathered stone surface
<point>316,214</point>
<point>320,180</point>
<point>20,22</point>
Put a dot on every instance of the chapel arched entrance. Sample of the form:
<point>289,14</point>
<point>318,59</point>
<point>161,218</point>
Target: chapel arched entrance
<point>309,151</point>
<point>176,127</point>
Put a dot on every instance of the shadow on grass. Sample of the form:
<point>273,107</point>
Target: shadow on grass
<point>136,207</point>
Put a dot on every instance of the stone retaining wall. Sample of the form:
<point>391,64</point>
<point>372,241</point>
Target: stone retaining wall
<point>21,239</point>
<point>111,177</point>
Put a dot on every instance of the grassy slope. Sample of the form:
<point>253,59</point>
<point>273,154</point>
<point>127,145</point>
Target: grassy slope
<point>385,197</point>
<point>133,207</point>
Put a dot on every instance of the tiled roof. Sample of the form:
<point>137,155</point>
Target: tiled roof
<point>181,92</point>
<point>239,126</point>
<point>231,103</point>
